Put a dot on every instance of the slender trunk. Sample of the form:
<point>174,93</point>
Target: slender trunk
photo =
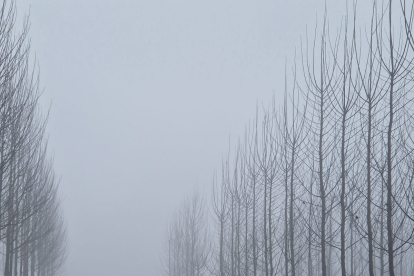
<point>369,184</point>
<point>329,265</point>
<point>343,262</point>
<point>291,214</point>
<point>238,234</point>
<point>270,230</point>
<point>232,262</point>
<point>389,157</point>
<point>310,262</point>
<point>222,272</point>
<point>322,190</point>
<point>16,251</point>
<point>369,223</point>
<point>10,214</point>
<point>254,228</point>
<point>265,225</point>
<point>286,225</point>
<point>33,247</point>
<point>352,240</point>
<point>246,246</point>
<point>382,265</point>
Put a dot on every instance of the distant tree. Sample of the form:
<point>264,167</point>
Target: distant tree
<point>187,246</point>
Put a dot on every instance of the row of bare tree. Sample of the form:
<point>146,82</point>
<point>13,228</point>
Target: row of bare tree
<point>32,230</point>
<point>323,185</point>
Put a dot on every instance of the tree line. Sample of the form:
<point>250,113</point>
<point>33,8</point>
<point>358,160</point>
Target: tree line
<point>32,228</point>
<point>322,183</point>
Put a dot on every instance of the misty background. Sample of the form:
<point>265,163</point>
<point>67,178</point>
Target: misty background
<point>145,98</point>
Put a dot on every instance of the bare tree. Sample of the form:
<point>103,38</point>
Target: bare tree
<point>187,244</point>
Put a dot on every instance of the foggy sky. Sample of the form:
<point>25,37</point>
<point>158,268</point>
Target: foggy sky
<point>145,97</point>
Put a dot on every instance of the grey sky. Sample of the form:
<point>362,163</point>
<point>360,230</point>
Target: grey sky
<point>145,95</point>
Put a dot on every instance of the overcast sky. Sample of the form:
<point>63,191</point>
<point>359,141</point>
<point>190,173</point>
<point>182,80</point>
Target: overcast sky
<point>146,96</point>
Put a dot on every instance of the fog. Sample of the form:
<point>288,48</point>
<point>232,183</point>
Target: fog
<point>146,98</point>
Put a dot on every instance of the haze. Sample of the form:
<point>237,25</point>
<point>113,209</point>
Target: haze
<point>145,98</point>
